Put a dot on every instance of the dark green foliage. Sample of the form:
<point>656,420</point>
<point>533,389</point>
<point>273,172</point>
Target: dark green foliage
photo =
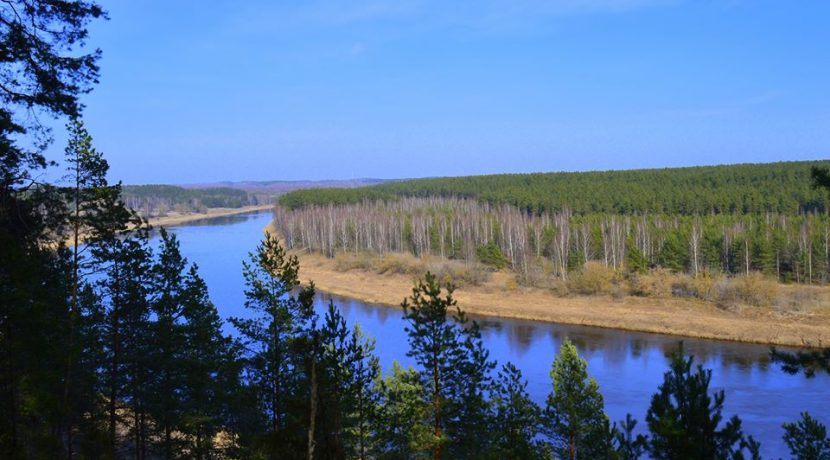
<point>491,254</point>
<point>518,420</point>
<point>575,414</point>
<point>347,398</point>
<point>454,370</point>
<point>188,360</point>
<point>277,346</point>
<point>635,260</point>
<point>742,189</point>
<point>40,72</point>
<point>674,254</point>
<point>807,439</point>
<point>158,199</point>
<point>627,445</point>
<point>403,429</point>
<point>685,420</point>
<point>336,196</point>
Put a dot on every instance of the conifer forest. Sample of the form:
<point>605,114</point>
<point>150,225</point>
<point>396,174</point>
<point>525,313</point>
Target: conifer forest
<point>111,348</point>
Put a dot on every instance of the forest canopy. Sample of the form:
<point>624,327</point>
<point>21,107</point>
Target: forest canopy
<point>783,187</point>
<point>158,199</point>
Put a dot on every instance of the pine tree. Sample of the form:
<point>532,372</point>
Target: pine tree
<point>124,293</point>
<point>473,411</point>
<point>404,429</point>
<point>209,377</point>
<point>807,439</point>
<point>685,421</point>
<point>635,260</point>
<point>627,445</point>
<point>453,366</point>
<point>575,412</point>
<point>94,210</point>
<point>277,346</point>
<point>518,420</point>
<point>347,398</point>
<point>168,338</point>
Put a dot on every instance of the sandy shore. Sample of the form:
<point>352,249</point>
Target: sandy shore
<point>664,316</point>
<point>174,219</point>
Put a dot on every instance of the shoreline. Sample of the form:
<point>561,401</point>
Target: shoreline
<point>181,219</point>
<point>667,316</point>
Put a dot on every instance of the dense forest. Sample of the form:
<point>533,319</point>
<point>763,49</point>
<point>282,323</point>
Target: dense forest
<point>111,348</point>
<point>780,188</point>
<point>157,200</point>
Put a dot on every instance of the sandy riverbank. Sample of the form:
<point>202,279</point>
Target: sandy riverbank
<point>664,316</point>
<point>173,219</point>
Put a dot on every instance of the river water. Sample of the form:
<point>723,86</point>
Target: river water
<point>627,365</point>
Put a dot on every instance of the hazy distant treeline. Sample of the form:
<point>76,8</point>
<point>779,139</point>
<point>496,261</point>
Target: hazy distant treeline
<point>788,247</point>
<point>153,200</point>
<point>729,189</point>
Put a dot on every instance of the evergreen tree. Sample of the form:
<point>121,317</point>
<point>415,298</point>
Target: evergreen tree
<point>93,208</point>
<point>807,439</point>
<point>40,73</point>
<point>685,421</point>
<point>575,412</point>
<point>277,347</point>
<point>124,293</point>
<point>209,376</point>
<point>454,369</point>
<point>518,420</point>
<point>168,337</point>
<point>404,429</point>
<point>674,252</point>
<point>473,412</point>
<point>635,260</point>
<point>628,446</point>
<point>347,400</point>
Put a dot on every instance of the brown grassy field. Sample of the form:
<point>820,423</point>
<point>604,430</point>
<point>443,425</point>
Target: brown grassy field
<point>499,295</point>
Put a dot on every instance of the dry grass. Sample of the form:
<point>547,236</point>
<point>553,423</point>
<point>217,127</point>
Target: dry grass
<point>447,271</point>
<point>798,315</point>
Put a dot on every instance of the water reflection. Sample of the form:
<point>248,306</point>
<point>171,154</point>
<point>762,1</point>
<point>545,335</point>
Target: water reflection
<point>627,365</point>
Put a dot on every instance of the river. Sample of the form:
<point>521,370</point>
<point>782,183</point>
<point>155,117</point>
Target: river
<point>627,365</point>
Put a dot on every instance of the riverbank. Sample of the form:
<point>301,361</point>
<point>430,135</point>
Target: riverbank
<point>173,218</point>
<point>499,297</point>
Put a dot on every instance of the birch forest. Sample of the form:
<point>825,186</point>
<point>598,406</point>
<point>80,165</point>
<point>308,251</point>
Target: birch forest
<point>788,247</point>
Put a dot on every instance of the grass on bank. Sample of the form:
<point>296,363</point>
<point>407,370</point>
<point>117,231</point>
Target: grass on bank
<point>731,293</point>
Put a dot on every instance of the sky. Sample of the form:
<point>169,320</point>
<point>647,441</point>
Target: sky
<point>195,91</point>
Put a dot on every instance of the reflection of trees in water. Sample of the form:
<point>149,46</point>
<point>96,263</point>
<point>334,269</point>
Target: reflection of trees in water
<point>613,347</point>
<point>636,347</point>
<point>224,220</point>
<point>351,308</point>
<point>520,337</point>
<point>723,355</point>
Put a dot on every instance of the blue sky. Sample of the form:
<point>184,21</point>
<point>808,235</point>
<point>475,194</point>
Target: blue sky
<point>206,91</point>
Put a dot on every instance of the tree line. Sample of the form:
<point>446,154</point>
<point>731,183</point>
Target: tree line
<point>155,200</point>
<point>778,188</point>
<point>790,248</point>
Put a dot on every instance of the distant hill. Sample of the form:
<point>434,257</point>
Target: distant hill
<point>277,186</point>
<point>783,187</point>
